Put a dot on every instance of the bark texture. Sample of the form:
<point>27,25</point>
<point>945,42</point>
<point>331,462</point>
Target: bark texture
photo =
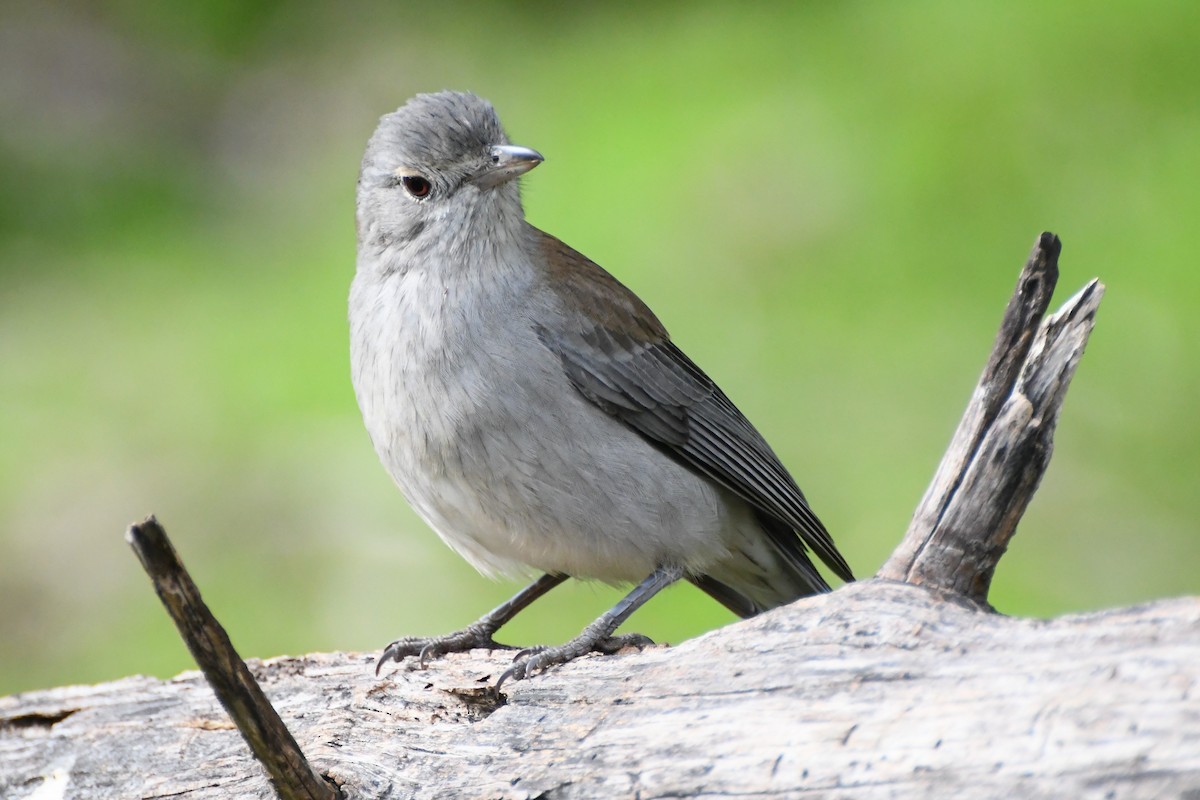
<point>877,690</point>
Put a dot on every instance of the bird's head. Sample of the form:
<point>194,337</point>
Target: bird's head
<point>441,165</point>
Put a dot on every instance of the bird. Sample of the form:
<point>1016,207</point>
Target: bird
<point>534,411</point>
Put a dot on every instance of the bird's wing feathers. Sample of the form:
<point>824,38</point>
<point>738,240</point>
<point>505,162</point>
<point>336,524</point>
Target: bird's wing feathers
<point>621,359</point>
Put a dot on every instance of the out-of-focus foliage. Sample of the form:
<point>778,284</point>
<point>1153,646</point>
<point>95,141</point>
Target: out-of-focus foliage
<point>827,204</point>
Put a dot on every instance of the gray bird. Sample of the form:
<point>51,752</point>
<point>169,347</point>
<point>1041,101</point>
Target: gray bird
<point>535,412</point>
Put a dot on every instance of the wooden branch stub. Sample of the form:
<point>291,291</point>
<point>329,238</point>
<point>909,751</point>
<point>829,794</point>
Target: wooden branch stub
<point>1031,298</point>
<point>1002,446</point>
<point>269,739</point>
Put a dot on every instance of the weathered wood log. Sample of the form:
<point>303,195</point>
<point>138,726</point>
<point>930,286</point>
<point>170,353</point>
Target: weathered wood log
<point>877,690</point>
<point>902,685</point>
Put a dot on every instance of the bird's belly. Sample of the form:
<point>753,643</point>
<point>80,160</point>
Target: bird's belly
<point>519,482</point>
<point>516,471</point>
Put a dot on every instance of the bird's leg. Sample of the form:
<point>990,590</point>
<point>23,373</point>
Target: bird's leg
<point>477,634</point>
<point>597,637</point>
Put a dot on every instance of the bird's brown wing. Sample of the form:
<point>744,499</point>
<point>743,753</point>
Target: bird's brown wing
<point>620,357</point>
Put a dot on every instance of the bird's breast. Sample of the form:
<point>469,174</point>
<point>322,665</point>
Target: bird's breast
<point>491,444</point>
<point>428,356</point>
<point>447,374</point>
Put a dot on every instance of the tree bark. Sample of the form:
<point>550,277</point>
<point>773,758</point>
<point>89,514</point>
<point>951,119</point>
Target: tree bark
<point>903,685</point>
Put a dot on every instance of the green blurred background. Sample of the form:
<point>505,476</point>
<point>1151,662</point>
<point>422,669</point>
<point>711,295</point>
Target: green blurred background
<point>827,203</point>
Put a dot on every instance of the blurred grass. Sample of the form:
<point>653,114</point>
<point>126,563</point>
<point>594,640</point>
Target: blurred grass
<point>827,204</point>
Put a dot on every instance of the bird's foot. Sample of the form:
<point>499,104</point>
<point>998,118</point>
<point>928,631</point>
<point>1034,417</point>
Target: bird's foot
<point>537,659</point>
<point>425,648</point>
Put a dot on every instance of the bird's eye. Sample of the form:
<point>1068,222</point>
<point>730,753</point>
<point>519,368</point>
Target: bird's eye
<point>416,186</point>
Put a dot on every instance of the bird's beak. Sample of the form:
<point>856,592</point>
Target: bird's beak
<point>508,161</point>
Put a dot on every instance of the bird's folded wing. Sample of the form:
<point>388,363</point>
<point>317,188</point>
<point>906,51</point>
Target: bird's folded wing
<point>623,361</point>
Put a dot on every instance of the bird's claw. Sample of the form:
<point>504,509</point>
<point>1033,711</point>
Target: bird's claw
<point>426,648</point>
<point>539,658</point>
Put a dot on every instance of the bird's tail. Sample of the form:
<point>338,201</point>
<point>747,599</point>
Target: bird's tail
<point>757,575</point>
